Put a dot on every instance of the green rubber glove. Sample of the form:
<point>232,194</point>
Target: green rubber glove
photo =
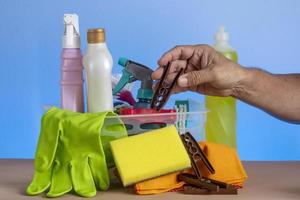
<point>70,154</point>
<point>46,148</point>
<point>112,129</point>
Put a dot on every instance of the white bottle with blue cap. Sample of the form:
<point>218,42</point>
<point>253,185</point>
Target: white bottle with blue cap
<point>98,66</point>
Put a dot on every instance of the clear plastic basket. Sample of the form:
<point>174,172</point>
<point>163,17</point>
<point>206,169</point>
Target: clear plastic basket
<point>192,121</point>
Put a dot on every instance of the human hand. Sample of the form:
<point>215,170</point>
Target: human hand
<point>205,70</point>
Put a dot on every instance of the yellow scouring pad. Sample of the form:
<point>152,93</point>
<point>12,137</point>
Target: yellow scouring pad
<point>149,155</point>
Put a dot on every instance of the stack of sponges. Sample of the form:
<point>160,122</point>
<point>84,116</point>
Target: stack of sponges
<point>149,155</point>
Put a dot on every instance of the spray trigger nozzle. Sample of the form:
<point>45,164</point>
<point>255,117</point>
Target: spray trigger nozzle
<point>71,37</point>
<point>71,22</point>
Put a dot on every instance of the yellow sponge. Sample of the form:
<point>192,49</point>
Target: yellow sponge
<point>149,155</point>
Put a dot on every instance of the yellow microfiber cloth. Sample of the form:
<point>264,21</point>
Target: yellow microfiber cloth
<point>224,159</point>
<point>149,155</point>
<point>226,162</point>
<point>161,184</point>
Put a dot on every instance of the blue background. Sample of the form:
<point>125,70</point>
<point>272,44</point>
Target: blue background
<point>264,32</point>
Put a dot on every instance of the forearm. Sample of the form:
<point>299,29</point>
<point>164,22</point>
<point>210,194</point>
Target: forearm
<point>277,94</point>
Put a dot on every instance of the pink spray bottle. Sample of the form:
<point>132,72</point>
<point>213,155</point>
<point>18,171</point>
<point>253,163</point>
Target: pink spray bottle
<point>71,66</point>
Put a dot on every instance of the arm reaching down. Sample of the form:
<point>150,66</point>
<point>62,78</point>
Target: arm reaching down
<point>277,94</point>
<point>209,72</point>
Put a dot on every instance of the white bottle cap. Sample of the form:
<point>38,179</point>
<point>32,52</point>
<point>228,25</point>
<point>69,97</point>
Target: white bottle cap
<point>71,38</point>
<point>221,35</point>
<point>222,40</point>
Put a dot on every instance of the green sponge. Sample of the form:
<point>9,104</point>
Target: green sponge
<point>149,155</point>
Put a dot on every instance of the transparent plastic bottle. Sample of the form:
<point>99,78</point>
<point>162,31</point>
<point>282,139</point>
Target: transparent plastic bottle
<point>98,66</point>
<point>221,118</point>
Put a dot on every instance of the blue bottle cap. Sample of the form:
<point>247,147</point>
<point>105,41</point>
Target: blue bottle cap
<point>122,61</point>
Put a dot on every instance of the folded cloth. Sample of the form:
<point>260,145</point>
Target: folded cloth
<point>226,162</point>
<point>224,159</point>
<point>159,185</point>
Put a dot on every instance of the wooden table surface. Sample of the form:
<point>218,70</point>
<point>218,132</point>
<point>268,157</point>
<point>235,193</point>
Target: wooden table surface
<point>267,180</point>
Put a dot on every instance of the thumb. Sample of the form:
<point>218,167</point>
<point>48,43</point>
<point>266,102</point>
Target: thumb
<point>195,78</point>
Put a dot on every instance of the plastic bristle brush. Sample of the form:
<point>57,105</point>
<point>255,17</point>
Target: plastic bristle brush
<point>126,96</point>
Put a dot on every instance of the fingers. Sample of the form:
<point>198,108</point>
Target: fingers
<point>174,67</point>
<point>82,178</point>
<point>177,89</point>
<point>39,183</point>
<point>177,53</point>
<point>203,56</point>
<point>112,129</point>
<point>172,73</point>
<point>195,78</point>
<point>100,172</point>
<point>48,140</point>
<point>61,182</point>
<point>198,55</point>
<point>157,73</point>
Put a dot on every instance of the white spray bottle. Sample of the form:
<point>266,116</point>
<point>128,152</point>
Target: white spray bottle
<point>71,66</point>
